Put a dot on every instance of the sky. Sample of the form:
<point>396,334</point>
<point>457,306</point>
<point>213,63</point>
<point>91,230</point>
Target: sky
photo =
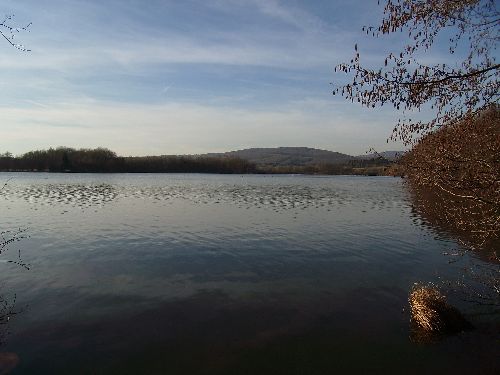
<point>187,77</point>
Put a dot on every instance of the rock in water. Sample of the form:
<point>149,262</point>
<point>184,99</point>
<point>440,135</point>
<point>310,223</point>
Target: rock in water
<point>432,315</point>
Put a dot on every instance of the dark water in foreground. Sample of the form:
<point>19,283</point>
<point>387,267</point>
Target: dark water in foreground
<point>210,274</point>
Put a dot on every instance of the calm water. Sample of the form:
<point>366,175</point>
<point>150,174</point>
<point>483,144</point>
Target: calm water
<point>209,274</point>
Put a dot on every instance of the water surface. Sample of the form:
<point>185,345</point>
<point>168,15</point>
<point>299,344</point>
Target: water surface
<point>167,274</point>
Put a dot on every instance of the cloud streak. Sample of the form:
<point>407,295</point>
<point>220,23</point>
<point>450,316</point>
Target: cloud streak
<point>178,128</point>
<point>246,72</point>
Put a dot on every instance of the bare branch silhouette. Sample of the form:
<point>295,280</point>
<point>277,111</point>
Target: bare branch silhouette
<point>9,32</point>
<point>453,91</point>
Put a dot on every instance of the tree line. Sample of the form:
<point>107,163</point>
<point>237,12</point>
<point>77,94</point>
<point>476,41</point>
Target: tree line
<point>102,160</point>
<point>365,167</point>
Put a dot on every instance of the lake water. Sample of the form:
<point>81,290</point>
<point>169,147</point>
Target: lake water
<point>224,274</point>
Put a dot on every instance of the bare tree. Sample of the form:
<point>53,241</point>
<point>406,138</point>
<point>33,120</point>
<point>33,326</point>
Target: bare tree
<point>458,168</point>
<point>453,167</point>
<point>7,238</point>
<point>454,178</point>
<point>452,92</point>
<point>455,154</point>
<point>9,32</point>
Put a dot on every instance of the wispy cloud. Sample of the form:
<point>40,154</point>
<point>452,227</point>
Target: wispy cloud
<point>177,128</point>
<point>165,89</point>
<point>284,12</point>
<point>36,103</point>
<point>246,73</point>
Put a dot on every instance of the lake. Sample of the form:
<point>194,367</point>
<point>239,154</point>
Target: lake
<point>224,274</point>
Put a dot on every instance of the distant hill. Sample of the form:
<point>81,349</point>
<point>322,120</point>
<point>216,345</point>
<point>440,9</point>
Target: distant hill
<point>286,156</point>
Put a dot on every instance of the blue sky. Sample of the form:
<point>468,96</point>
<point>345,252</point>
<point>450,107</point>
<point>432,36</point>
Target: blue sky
<point>176,77</point>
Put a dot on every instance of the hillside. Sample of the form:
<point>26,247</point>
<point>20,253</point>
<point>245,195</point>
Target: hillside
<point>285,156</point>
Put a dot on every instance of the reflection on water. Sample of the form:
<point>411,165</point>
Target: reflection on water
<point>223,274</point>
<point>279,197</point>
<point>6,312</point>
<point>266,192</point>
<point>470,224</point>
<point>77,195</point>
<point>464,219</point>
